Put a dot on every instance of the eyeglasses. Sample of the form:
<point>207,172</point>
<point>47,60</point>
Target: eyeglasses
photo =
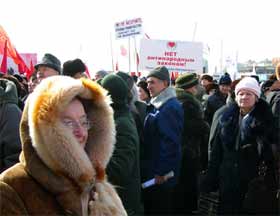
<point>72,124</point>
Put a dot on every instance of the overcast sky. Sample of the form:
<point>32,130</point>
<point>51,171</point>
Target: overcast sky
<point>68,29</point>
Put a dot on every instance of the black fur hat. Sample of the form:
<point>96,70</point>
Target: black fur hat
<point>72,67</point>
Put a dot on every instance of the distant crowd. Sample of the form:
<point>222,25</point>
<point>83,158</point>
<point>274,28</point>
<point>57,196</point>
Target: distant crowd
<point>126,145</point>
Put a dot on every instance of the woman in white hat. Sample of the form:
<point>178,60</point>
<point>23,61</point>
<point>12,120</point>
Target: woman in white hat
<point>243,138</point>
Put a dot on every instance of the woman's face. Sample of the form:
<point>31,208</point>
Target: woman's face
<point>246,100</point>
<point>75,118</point>
<point>142,94</point>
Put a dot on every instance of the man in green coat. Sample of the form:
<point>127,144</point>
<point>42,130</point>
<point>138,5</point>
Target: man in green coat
<point>123,169</point>
<point>194,144</point>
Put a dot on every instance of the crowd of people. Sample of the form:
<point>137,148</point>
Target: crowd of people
<point>122,145</point>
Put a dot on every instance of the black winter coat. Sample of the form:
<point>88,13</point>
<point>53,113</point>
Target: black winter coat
<point>273,99</point>
<point>10,115</point>
<point>194,152</point>
<point>234,157</point>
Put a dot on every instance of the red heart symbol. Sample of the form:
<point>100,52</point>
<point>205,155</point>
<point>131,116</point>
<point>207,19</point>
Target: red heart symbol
<point>171,44</point>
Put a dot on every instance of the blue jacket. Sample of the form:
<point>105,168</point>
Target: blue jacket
<point>163,129</point>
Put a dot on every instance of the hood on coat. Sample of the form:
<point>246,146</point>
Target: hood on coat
<point>8,92</point>
<point>45,139</point>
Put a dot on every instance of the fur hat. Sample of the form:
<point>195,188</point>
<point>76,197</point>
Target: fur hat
<point>225,80</point>
<point>186,81</point>
<point>250,84</point>
<point>72,67</point>
<point>50,61</point>
<point>161,73</point>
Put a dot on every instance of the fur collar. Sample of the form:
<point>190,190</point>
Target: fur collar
<point>256,124</point>
<point>164,96</point>
<point>183,96</point>
<point>51,153</point>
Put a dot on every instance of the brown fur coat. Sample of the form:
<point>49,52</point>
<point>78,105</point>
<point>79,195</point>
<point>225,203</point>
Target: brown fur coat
<point>56,176</point>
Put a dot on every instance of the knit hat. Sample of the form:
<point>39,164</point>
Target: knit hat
<point>127,78</point>
<point>50,61</point>
<point>72,67</point>
<point>250,84</point>
<point>117,88</point>
<point>161,73</point>
<point>186,81</point>
<point>225,80</point>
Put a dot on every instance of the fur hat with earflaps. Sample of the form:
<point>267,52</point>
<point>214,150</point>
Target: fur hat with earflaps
<point>72,67</point>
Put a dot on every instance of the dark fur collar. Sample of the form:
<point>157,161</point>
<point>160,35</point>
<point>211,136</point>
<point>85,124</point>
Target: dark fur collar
<point>257,123</point>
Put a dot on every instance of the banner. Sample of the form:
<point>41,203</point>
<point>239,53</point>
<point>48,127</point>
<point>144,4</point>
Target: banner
<point>179,57</point>
<point>128,28</point>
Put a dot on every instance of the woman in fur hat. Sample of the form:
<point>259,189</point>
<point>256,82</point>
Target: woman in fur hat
<point>67,134</point>
<point>242,139</point>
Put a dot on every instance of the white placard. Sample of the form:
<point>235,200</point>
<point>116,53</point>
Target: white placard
<point>128,28</point>
<point>177,56</point>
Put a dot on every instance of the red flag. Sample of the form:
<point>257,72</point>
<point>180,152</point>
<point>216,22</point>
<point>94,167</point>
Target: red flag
<point>11,51</point>
<point>20,69</point>
<point>4,67</point>
<point>29,70</point>
<point>21,64</point>
<point>87,72</point>
<point>31,66</point>
<point>172,76</point>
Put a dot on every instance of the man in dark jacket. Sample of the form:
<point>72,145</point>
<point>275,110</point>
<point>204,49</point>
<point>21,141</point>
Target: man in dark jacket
<point>194,144</point>
<point>10,115</point>
<point>123,169</point>
<point>162,142</point>
<point>218,99</point>
<point>273,98</point>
